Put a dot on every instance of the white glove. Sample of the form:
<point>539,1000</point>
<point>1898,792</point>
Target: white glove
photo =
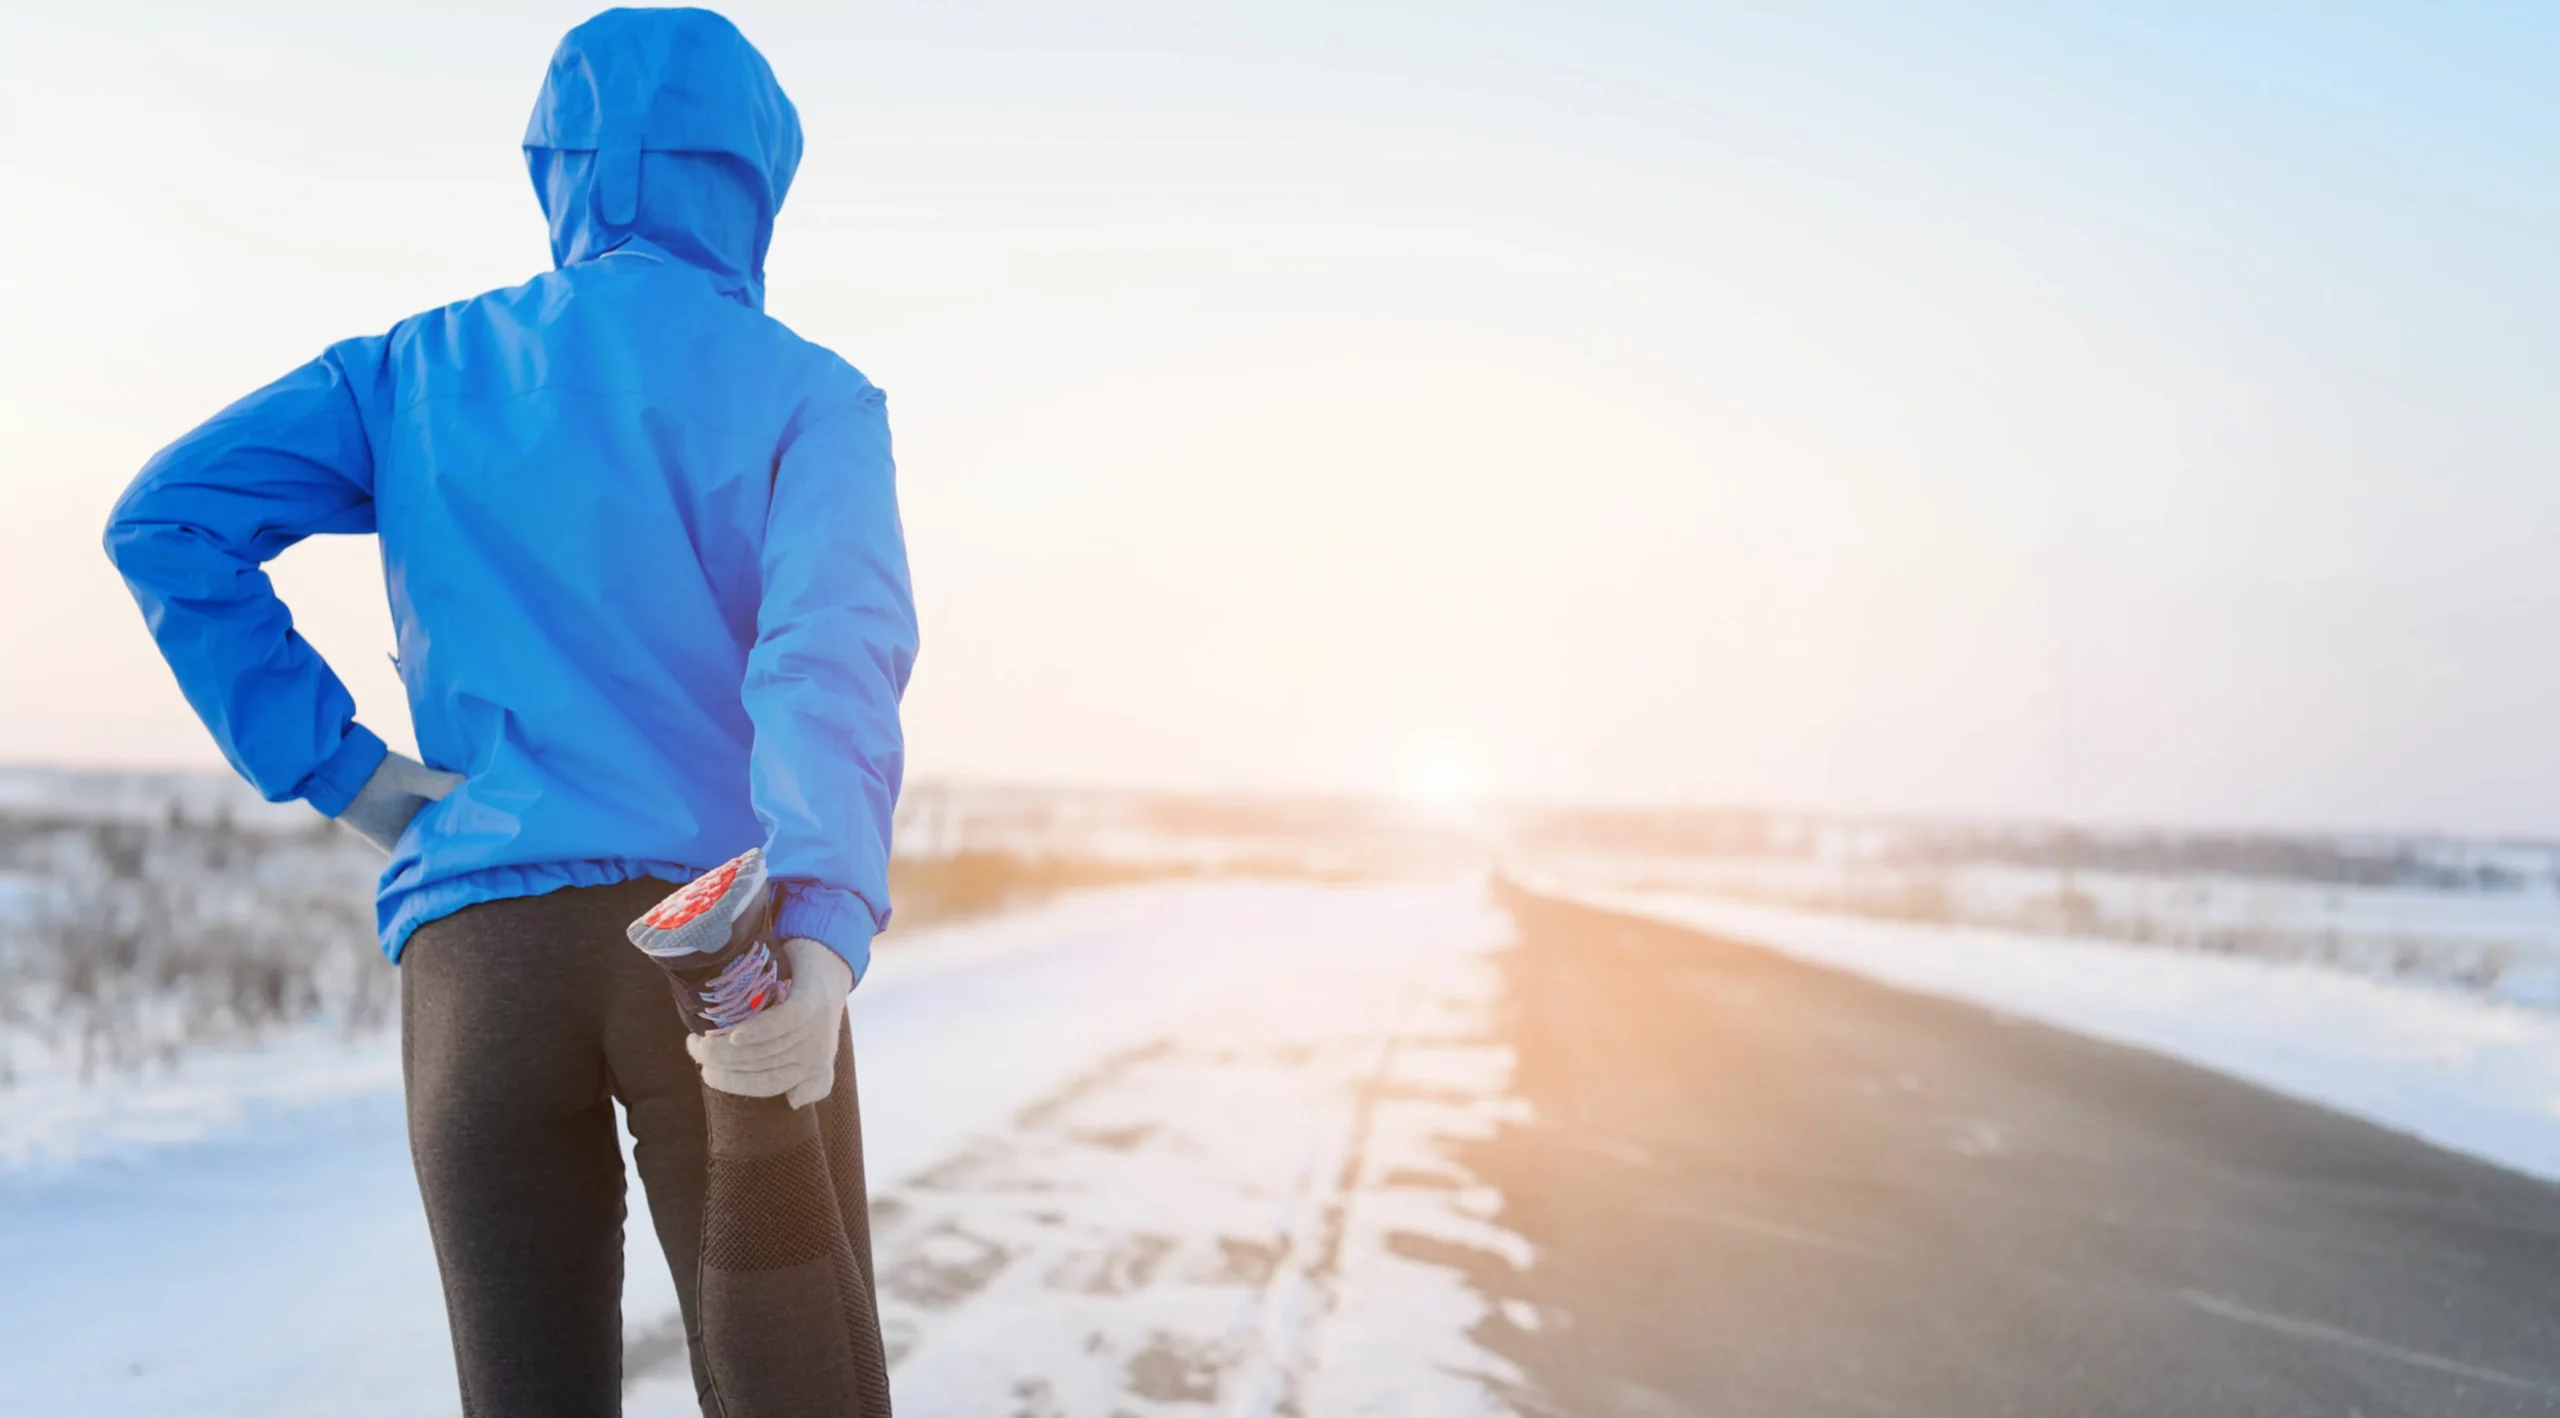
<point>394,794</point>
<point>790,1049</point>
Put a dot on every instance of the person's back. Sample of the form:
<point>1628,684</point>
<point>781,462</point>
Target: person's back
<point>642,550</point>
<point>578,570</point>
<point>575,565</point>
<point>641,542</point>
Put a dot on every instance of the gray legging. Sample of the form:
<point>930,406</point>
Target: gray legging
<point>520,1022</point>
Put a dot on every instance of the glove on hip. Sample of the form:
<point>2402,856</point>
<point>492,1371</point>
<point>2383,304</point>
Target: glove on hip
<point>397,792</point>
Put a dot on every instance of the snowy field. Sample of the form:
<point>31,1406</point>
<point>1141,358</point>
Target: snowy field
<point>1152,1149</point>
<point>1149,1150</point>
<point>150,918</point>
<point>2465,1071</point>
<point>2493,929</point>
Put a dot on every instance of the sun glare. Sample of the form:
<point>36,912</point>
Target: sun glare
<point>1439,774</point>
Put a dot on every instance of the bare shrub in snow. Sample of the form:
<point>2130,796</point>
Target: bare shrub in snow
<point>127,941</point>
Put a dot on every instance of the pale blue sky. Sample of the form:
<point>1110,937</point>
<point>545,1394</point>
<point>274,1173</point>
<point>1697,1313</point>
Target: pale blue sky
<point>2128,412</point>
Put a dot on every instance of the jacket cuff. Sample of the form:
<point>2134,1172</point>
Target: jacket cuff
<point>833,918</point>
<point>342,775</point>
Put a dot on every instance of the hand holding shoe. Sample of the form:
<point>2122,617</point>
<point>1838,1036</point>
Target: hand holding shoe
<point>788,1050</point>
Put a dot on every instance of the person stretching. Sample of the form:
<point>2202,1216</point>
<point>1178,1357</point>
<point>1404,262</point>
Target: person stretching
<point>643,554</point>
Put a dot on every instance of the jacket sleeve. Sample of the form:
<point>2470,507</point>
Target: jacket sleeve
<point>190,535</point>
<point>835,638</point>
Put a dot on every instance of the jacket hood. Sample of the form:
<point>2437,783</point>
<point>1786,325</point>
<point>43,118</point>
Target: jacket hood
<point>667,127</point>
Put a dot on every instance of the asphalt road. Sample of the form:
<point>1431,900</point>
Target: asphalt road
<point>1761,1188</point>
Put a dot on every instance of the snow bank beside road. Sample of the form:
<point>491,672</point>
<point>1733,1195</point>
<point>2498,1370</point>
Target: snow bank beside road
<point>51,1120</point>
<point>2471,1074</point>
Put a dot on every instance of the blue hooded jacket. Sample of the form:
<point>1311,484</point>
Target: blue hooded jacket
<point>641,541</point>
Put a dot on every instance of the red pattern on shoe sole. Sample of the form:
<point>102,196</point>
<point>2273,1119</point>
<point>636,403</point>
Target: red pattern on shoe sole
<point>698,896</point>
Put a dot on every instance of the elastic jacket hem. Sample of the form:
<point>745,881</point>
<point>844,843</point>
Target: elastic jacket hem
<point>440,899</point>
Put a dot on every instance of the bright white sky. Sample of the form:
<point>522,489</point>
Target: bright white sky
<point>2115,412</point>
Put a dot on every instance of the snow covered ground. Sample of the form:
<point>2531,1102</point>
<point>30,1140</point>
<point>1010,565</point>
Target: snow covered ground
<point>53,1123</point>
<point>1158,1147</point>
<point>2476,1074</point>
<point>1153,1150</point>
<point>2500,940</point>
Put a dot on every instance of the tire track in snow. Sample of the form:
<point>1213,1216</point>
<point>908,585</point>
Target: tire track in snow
<point>1191,1225</point>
